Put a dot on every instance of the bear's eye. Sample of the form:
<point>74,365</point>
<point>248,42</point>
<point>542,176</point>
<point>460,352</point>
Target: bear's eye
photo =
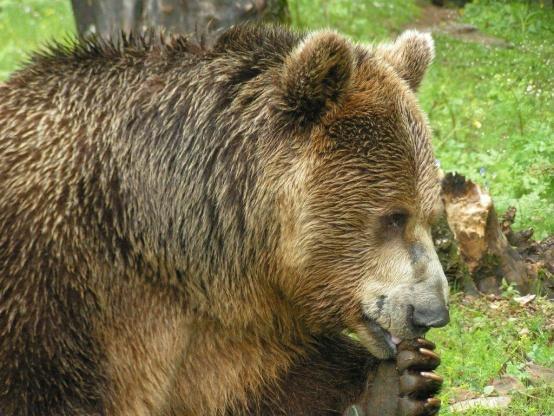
<point>396,220</point>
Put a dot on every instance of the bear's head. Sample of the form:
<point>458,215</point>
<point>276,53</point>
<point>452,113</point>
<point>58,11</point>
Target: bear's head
<point>362,190</point>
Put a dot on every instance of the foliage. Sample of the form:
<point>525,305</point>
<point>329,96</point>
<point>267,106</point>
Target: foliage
<point>489,337</point>
<point>492,108</point>
<point>362,20</point>
<point>25,25</point>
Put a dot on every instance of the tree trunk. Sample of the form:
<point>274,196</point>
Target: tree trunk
<point>111,17</point>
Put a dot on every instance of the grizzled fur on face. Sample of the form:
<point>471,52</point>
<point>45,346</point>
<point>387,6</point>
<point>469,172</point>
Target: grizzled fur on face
<point>179,223</point>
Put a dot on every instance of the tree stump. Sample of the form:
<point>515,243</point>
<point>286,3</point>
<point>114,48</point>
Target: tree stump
<point>478,251</point>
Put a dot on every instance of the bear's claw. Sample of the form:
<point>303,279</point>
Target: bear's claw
<point>424,384</point>
<point>415,363</point>
<point>421,359</point>
<point>404,387</point>
<point>410,407</point>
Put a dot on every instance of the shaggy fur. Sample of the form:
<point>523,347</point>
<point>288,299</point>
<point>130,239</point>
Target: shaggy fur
<point>187,230</point>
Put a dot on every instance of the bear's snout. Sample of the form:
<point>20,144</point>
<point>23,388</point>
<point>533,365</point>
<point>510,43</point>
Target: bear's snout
<point>430,317</point>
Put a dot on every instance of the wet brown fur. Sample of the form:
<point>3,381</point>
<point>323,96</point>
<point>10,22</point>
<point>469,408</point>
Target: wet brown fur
<point>176,221</point>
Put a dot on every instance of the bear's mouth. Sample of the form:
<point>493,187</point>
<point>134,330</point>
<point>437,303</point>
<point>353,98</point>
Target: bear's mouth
<point>381,336</point>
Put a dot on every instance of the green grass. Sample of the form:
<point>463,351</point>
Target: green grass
<point>361,20</point>
<point>486,339</point>
<point>25,25</point>
<point>492,112</point>
<point>492,108</point>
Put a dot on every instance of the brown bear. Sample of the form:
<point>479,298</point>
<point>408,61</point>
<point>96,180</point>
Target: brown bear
<point>192,229</point>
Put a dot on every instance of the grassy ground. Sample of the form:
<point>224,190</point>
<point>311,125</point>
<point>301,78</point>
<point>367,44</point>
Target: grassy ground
<point>492,111</point>
<point>24,25</point>
<point>488,339</point>
<point>492,108</point>
<point>362,20</point>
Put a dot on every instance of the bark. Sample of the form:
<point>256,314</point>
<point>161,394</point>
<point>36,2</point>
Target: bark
<point>477,250</point>
<point>111,17</point>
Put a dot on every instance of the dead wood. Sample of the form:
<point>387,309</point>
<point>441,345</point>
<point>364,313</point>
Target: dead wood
<point>478,250</point>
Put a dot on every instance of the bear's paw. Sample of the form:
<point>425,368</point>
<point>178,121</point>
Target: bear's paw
<point>405,386</point>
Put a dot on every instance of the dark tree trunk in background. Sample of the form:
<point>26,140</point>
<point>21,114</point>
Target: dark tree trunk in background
<point>108,17</point>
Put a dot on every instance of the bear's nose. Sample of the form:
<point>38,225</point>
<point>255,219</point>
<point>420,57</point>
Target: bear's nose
<point>435,317</point>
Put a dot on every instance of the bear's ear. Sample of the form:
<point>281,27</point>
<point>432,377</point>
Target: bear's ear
<point>410,55</point>
<point>315,75</point>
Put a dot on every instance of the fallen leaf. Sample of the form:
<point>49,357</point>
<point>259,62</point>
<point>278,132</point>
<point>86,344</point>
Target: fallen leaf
<point>485,402</point>
<point>459,394</point>
<point>539,374</point>
<point>524,300</point>
<point>523,331</point>
<point>507,384</point>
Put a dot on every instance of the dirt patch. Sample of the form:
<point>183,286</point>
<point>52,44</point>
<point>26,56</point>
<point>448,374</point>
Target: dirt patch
<point>444,20</point>
<point>434,16</point>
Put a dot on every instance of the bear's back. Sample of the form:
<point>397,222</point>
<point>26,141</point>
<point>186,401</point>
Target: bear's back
<point>85,128</point>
